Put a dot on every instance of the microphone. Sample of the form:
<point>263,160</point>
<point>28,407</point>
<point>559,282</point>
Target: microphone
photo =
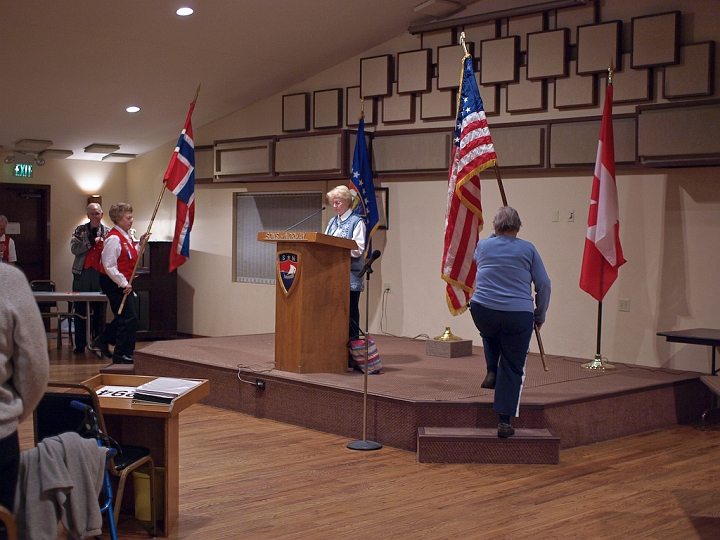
<point>304,220</point>
<point>367,269</point>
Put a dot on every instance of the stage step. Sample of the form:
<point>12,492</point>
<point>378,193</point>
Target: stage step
<point>482,445</point>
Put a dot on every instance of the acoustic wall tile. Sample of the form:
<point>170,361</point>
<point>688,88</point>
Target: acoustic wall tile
<point>414,71</point>
<point>524,25</point>
<point>598,45</point>
<point>547,54</point>
<point>327,108</point>
<point>526,96</point>
<point>575,91</point>
<point>694,76</point>
<point>450,65</point>
<point>354,107</point>
<point>376,76</point>
<point>656,40</point>
<point>296,112</point>
<point>499,61</point>
<point>572,18</point>
<point>630,85</point>
<point>438,104</point>
<point>399,109</point>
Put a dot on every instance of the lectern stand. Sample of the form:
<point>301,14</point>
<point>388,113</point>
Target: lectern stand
<point>312,301</point>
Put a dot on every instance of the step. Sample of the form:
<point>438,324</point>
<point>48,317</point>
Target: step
<point>482,445</point>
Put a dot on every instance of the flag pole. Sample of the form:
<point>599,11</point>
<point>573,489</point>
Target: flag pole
<point>505,203</point>
<point>497,168</point>
<point>365,444</point>
<point>143,244</point>
<point>597,362</point>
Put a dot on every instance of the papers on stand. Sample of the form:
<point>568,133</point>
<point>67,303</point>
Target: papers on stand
<point>163,390</point>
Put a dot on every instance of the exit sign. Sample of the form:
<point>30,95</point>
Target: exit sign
<point>23,170</point>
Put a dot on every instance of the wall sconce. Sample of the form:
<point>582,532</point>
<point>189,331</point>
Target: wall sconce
<point>97,199</point>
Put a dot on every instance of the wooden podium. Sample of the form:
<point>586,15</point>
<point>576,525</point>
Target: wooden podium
<point>312,301</point>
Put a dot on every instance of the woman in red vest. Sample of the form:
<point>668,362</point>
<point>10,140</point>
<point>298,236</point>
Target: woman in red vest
<point>118,261</point>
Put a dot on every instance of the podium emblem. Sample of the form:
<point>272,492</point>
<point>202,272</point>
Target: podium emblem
<point>288,268</point>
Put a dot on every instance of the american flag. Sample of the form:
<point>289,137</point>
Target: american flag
<point>472,153</point>
<point>603,254</point>
<point>361,184</point>
<point>180,179</point>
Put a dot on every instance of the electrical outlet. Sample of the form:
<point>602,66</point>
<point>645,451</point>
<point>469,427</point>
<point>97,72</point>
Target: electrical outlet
<point>556,215</point>
<point>386,287</point>
<point>624,304</point>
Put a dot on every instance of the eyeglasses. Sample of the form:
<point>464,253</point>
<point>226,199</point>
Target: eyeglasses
<point>337,203</point>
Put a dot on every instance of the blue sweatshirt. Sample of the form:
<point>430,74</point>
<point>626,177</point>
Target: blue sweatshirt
<point>506,267</point>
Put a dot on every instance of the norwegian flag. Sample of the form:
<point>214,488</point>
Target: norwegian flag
<point>603,254</point>
<point>180,179</point>
<point>472,153</point>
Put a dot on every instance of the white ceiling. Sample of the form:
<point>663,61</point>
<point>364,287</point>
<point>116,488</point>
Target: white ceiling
<point>71,67</point>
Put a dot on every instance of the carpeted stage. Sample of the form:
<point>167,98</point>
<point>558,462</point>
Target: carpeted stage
<point>417,391</point>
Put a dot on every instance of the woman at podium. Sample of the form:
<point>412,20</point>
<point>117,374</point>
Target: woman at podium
<point>347,224</point>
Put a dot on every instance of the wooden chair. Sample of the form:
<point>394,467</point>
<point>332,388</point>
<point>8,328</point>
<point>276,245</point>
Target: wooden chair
<point>50,309</point>
<point>55,415</point>
<point>9,522</point>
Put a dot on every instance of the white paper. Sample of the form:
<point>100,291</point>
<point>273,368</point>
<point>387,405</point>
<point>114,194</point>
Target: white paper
<point>116,391</point>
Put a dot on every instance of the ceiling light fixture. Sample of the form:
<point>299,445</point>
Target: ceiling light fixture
<point>119,158</point>
<point>100,148</point>
<point>184,11</point>
<point>133,109</point>
<point>32,145</point>
<point>56,154</point>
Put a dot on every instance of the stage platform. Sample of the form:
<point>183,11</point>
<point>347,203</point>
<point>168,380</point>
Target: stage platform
<point>416,391</point>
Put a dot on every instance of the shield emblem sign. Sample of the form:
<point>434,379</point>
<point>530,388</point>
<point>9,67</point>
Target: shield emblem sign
<point>288,269</point>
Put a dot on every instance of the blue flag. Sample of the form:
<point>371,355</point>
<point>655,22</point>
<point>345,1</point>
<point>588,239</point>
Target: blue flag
<point>361,186</point>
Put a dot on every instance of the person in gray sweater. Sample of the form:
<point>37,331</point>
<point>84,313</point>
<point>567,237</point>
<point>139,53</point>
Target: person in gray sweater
<point>24,370</point>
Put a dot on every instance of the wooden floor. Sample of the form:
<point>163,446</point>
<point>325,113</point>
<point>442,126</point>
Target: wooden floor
<point>243,477</point>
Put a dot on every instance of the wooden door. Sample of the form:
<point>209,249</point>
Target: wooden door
<point>29,205</point>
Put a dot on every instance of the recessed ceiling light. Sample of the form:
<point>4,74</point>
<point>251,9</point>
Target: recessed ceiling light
<point>133,109</point>
<point>184,11</point>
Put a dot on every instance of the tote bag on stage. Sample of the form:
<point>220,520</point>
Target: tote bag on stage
<point>357,352</point>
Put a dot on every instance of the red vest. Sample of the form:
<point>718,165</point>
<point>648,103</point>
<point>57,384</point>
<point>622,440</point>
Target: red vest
<point>92,259</point>
<point>127,257</point>
<point>6,243</point>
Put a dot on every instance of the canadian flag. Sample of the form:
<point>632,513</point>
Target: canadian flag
<point>603,254</point>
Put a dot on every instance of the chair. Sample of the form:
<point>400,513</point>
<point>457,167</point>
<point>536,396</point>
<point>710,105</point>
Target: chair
<point>55,415</point>
<point>46,309</point>
<point>9,522</point>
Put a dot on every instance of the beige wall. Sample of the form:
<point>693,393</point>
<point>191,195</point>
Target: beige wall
<point>670,225</point>
<point>71,182</point>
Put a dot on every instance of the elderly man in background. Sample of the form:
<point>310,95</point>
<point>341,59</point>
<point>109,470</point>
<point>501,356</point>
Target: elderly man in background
<point>87,245</point>
<point>7,245</point>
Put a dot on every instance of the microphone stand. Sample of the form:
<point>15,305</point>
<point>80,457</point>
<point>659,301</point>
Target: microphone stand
<point>365,444</point>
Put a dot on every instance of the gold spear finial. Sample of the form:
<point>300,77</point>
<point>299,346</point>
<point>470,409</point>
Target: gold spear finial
<point>462,42</point>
